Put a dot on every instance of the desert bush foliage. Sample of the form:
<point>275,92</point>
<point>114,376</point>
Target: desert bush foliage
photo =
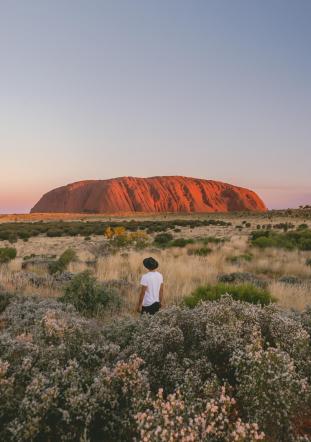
<point>222,371</point>
<point>7,254</point>
<point>63,261</point>
<point>241,292</point>
<point>23,230</point>
<point>296,239</point>
<point>88,296</point>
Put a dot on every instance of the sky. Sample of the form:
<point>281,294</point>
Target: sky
<point>96,89</point>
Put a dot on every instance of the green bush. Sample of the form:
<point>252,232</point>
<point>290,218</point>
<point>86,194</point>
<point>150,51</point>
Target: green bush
<point>7,254</point>
<point>24,230</point>
<point>242,292</point>
<point>162,239</point>
<point>303,226</point>
<point>67,257</point>
<point>63,261</point>
<point>202,251</point>
<point>284,226</point>
<point>5,299</point>
<point>298,239</point>
<point>289,279</point>
<point>180,242</point>
<point>88,296</point>
<point>242,278</point>
<point>211,240</point>
<point>53,233</point>
<point>239,258</point>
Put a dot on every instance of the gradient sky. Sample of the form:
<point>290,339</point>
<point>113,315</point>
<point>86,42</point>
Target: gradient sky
<point>95,89</point>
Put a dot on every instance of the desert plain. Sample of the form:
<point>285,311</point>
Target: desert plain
<point>225,249</point>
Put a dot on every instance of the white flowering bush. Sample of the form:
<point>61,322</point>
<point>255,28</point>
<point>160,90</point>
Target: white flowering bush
<point>173,419</point>
<point>222,371</point>
<point>270,389</point>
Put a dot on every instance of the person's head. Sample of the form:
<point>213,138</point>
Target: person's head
<point>150,263</point>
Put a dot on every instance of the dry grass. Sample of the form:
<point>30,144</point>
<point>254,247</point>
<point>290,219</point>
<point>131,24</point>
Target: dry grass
<point>182,272</point>
<point>288,296</point>
<point>13,282</point>
<point>277,262</point>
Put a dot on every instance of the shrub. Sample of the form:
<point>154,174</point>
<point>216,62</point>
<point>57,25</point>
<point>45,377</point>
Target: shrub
<point>237,259</point>
<point>53,233</point>
<point>88,296</point>
<point>269,399</point>
<point>303,226</point>
<point>5,300</point>
<point>210,417</point>
<point>180,242</point>
<point>284,226</point>
<point>13,231</point>
<point>12,238</point>
<point>119,238</point>
<point>7,254</point>
<point>112,232</point>
<point>299,239</point>
<point>162,239</point>
<point>119,241</point>
<point>4,235</point>
<point>222,371</point>
<point>242,278</point>
<point>288,279</point>
<point>243,292</point>
<point>308,262</point>
<point>211,240</point>
<point>67,257</point>
<point>202,251</point>
<point>60,380</point>
<point>63,261</point>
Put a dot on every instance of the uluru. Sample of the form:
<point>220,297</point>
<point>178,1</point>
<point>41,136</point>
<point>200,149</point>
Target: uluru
<point>155,194</point>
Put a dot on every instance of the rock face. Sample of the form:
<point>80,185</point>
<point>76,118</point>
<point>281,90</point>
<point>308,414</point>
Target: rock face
<point>156,194</point>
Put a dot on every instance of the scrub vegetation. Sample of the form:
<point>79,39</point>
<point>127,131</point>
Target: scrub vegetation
<point>228,358</point>
<point>224,370</point>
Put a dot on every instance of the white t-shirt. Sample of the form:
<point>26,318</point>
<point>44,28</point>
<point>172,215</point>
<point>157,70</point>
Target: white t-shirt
<point>153,281</point>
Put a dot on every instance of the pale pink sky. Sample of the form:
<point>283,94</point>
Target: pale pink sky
<point>215,89</point>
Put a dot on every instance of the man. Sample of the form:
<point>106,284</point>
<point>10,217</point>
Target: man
<point>151,293</point>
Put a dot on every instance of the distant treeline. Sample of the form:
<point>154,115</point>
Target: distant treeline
<point>14,231</point>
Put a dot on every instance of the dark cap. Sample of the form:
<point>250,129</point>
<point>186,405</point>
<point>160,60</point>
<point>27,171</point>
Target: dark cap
<point>150,263</point>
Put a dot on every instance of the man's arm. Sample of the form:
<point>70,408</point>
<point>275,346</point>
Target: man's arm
<point>161,295</point>
<point>141,298</point>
